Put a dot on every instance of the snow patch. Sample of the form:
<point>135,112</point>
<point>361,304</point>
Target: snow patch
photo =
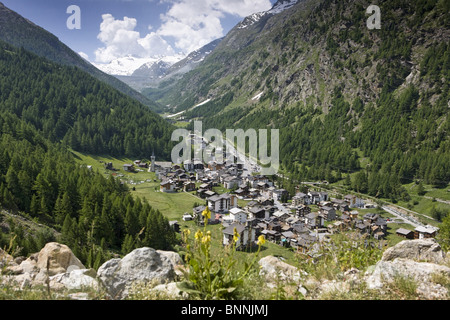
<point>126,66</point>
<point>258,96</point>
<point>278,7</point>
<point>202,103</point>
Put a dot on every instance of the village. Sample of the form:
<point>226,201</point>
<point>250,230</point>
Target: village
<point>301,223</point>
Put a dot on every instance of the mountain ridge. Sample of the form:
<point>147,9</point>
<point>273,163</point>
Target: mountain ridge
<point>337,90</point>
<point>21,32</point>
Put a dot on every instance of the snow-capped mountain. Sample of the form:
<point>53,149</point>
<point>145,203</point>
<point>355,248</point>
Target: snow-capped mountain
<point>278,7</point>
<point>126,66</point>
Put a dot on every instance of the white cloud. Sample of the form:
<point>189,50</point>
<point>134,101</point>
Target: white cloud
<point>120,39</point>
<point>188,24</point>
<point>193,24</point>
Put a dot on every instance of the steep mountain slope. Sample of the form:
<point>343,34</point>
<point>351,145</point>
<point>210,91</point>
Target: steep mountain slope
<point>66,104</point>
<point>166,69</point>
<point>337,90</point>
<point>20,32</point>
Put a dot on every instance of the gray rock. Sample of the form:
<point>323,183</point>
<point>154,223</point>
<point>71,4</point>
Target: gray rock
<point>420,272</point>
<point>140,265</point>
<point>76,279</point>
<point>419,250</point>
<point>275,269</point>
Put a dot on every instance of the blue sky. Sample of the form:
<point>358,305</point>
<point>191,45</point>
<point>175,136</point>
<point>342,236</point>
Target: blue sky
<point>114,28</point>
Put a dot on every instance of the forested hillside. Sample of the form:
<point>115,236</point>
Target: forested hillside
<point>94,215</point>
<point>67,104</point>
<point>338,91</point>
<point>46,109</point>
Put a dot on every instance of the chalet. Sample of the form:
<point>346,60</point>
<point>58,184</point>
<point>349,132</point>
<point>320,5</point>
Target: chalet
<point>377,232</point>
<point>300,198</point>
<point>287,237</point>
<point>253,193</point>
<point>231,182</point>
<point>314,197</point>
<point>328,213</point>
<point>198,165</point>
<point>164,165</point>
<point>188,165</point>
<point>405,233</point>
<point>382,224</point>
<point>353,214</point>
<point>371,217</point>
<point>128,168</point>
<point>271,235</point>
<point>213,165</point>
<point>302,210</point>
<point>340,205</point>
<point>300,228</point>
<point>314,220</point>
<point>183,176</point>
<point>167,186</point>
<point>257,211</point>
<point>363,227</point>
<point>274,226</point>
<point>261,185</point>
<point>238,215</point>
<point>278,194</point>
<point>206,186</point>
<point>189,186</point>
<point>143,165</point>
<point>241,192</point>
<point>246,235</point>
<point>353,201</point>
<point>345,219</point>
<point>281,215</point>
<point>424,232</point>
<point>335,227</point>
<point>222,203</point>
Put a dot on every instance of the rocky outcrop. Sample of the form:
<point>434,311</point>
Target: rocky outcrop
<point>421,273</point>
<point>421,261</point>
<point>141,265</point>
<point>57,258</point>
<point>417,260</point>
<point>55,265</point>
<point>426,250</point>
<point>276,270</point>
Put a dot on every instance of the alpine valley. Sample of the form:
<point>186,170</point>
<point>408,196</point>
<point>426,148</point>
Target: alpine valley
<point>362,196</point>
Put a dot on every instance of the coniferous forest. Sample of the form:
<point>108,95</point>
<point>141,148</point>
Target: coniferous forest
<point>46,109</point>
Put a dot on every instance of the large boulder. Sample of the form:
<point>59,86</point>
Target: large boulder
<point>274,269</point>
<point>57,258</point>
<point>142,265</point>
<point>418,250</point>
<point>420,272</point>
<point>75,280</point>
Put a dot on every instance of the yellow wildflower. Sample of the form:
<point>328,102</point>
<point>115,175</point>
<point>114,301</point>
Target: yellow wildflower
<point>207,238</point>
<point>198,235</point>
<point>261,240</point>
<point>235,235</point>
<point>206,213</point>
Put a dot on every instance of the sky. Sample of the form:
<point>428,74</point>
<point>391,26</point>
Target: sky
<point>111,29</point>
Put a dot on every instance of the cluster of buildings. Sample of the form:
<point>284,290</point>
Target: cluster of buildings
<point>267,213</point>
